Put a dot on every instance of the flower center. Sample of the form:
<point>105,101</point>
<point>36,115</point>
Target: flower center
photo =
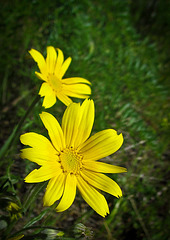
<point>54,82</point>
<point>71,161</point>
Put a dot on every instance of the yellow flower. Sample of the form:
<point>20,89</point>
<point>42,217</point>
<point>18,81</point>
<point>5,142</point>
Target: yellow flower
<point>70,159</point>
<point>52,71</point>
<point>14,210</point>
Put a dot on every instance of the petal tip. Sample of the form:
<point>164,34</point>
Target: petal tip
<point>41,114</point>
<point>22,154</point>
<point>22,138</point>
<point>45,204</point>
<point>25,180</point>
<point>30,50</point>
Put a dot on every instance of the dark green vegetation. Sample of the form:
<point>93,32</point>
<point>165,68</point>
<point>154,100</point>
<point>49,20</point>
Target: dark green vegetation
<point>122,48</point>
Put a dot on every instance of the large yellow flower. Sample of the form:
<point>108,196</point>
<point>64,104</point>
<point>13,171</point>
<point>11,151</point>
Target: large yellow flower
<point>70,159</point>
<point>52,71</point>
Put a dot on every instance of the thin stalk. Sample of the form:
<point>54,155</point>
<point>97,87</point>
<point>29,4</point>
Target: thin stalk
<point>132,201</point>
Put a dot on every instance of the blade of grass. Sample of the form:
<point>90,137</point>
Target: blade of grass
<point>33,195</point>
<point>132,201</point>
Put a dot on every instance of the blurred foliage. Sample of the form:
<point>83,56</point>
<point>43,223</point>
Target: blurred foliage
<point>122,48</point>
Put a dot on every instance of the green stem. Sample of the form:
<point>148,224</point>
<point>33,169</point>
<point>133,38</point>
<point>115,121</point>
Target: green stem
<point>16,130</point>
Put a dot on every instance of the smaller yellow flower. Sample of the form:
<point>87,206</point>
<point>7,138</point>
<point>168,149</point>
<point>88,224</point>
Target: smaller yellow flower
<point>52,70</point>
<point>14,210</point>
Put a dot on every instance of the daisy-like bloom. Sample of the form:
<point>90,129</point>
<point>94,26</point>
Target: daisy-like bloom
<point>52,70</point>
<point>69,160</point>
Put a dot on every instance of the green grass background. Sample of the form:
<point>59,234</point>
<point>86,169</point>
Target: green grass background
<point>122,48</point>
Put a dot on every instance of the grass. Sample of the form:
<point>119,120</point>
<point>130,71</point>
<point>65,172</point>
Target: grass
<point>130,89</point>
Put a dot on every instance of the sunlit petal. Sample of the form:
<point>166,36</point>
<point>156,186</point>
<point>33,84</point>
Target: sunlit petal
<point>95,199</point>
<point>54,130</point>
<point>101,145</point>
<point>102,182</point>
<point>45,90</point>
<point>51,59</point>
<point>54,188</point>
<point>103,167</point>
<point>63,98</point>
<point>70,123</point>
<point>40,157</point>
<point>69,193</point>
<point>50,97</point>
<point>86,122</point>
<point>39,59</point>
<point>75,80</point>
<point>60,60</point>
<point>77,90</point>
<point>44,173</point>
<point>79,128</point>
<point>49,101</point>
<point>37,141</point>
<point>41,76</point>
<point>64,67</point>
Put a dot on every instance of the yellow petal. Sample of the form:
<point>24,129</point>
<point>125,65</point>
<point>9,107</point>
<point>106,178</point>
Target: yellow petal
<point>102,182</point>
<point>77,122</point>
<point>70,123</point>
<point>51,59</point>
<point>60,60</point>
<point>69,193</point>
<point>86,122</point>
<point>39,59</point>
<point>40,157</point>
<point>54,189</point>
<point>92,196</point>
<point>50,97</point>
<point>78,90</point>
<point>63,98</point>
<point>54,130</point>
<point>45,90</point>
<point>64,67</point>
<point>75,80</point>
<point>101,145</point>
<point>103,167</point>
<point>41,76</point>
<point>38,142</point>
<point>49,101</point>
<point>44,173</point>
